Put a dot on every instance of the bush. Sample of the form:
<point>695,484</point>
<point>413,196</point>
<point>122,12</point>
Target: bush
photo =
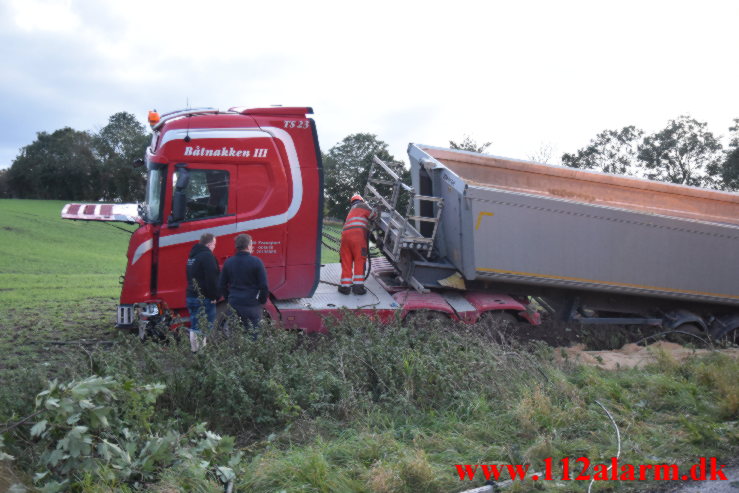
<point>242,386</point>
<point>99,431</point>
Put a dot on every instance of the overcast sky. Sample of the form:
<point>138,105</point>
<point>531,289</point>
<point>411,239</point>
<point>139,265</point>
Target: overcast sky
<point>522,74</point>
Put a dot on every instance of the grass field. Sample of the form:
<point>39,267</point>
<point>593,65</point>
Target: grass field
<point>58,283</point>
<point>370,409</point>
<point>43,258</point>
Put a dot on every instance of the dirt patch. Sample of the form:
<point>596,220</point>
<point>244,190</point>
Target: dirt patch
<point>632,355</point>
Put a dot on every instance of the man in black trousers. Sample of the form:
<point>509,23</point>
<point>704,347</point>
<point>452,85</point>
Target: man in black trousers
<point>202,289</point>
<point>243,282</point>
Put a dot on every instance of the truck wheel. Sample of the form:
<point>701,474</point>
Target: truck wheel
<point>688,334</point>
<point>498,325</point>
<point>155,329</point>
<point>729,337</point>
<point>424,318</point>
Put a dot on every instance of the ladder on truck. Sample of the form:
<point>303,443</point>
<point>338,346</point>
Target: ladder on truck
<point>384,190</point>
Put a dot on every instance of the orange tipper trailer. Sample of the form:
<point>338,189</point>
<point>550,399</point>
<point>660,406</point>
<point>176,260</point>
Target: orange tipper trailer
<point>595,247</point>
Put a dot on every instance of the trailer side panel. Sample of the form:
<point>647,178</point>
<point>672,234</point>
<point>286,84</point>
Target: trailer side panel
<point>526,238</point>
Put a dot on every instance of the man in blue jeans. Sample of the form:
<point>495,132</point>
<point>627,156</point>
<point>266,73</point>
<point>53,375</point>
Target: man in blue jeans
<point>202,289</point>
<point>244,282</point>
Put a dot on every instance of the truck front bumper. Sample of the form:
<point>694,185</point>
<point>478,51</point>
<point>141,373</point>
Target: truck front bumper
<point>128,316</point>
<point>124,318</point>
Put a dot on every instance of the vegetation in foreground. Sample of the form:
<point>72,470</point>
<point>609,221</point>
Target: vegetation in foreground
<point>366,409</point>
<point>372,409</point>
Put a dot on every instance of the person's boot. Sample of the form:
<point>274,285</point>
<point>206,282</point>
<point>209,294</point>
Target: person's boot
<point>344,289</point>
<point>194,343</point>
<point>359,289</point>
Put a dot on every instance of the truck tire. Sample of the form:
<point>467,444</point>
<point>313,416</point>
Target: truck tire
<point>728,337</point>
<point>688,334</point>
<point>157,329</point>
<point>498,325</point>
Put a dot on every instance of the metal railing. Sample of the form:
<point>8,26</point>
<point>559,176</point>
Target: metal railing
<point>398,230</point>
<point>188,112</point>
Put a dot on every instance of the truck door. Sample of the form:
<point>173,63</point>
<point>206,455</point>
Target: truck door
<point>263,199</point>
<point>210,205</point>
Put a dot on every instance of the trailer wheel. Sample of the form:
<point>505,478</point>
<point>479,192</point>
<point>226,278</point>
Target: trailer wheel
<point>498,325</point>
<point>729,337</point>
<point>687,334</point>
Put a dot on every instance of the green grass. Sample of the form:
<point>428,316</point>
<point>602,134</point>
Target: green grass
<point>329,256</point>
<point>363,411</point>
<point>58,283</point>
<point>46,259</point>
<point>663,418</point>
<point>393,410</point>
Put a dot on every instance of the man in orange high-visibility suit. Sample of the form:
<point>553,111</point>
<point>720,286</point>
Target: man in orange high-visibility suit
<point>355,246</point>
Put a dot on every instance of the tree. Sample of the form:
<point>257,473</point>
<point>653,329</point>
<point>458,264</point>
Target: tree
<point>60,165</point>
<point>346,168</point>
<point>734,142</point>
<point>118,144</point>
<point>468,144</point>
<point>72,165</point>
<point>4,185</point>
<point>730,168</point>
<point>611,151</point>
<point>684,152</point>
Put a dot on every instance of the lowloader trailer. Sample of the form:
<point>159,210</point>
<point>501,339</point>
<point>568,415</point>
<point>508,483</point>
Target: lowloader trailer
<point>591,247</point>
<point>257,171</point>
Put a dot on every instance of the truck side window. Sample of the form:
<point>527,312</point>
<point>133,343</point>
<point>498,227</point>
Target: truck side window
<point>207,194</point>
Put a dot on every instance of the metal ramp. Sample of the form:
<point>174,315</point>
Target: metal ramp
<point>327,297</point>
<point>385,191</point>
<point>397,235</point>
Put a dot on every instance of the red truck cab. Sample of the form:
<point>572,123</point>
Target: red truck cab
<point>257,171</point>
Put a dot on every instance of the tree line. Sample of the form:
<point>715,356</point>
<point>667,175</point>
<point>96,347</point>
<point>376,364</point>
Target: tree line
<point>684,152</point>
<point>97,166</point>
<point>70,164</point>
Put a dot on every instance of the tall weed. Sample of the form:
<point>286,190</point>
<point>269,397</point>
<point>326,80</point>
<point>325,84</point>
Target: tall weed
<point>246,386</point>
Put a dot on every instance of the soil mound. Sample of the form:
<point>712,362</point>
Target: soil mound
<point>632,355</point>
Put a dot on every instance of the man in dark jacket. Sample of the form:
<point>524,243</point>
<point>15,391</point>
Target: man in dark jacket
<point>202,288</point>
<point>244,282</point>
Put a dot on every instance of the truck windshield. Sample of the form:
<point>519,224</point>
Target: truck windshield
<point>152,211</point>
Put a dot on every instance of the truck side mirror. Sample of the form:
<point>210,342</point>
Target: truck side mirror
<point>179,198</point>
